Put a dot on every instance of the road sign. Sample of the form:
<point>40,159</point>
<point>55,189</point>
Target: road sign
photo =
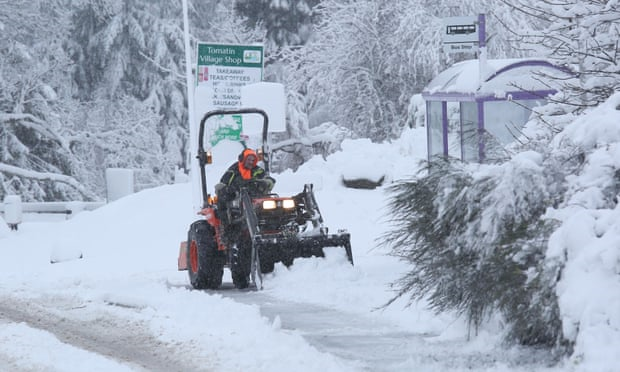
<point>224,69</point>
<point>461,34</point>
<point>227,128</point>
<point>221,71</point>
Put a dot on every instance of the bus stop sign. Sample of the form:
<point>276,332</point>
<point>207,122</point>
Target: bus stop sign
<point>461,34</point>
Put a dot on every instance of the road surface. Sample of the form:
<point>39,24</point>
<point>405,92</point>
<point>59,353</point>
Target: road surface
<point>370,343</point>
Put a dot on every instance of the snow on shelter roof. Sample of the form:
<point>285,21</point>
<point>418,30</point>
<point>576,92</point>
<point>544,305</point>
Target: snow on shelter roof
<point>503,76</point>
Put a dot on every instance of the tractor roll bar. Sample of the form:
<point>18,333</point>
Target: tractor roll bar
<point>202,155</point>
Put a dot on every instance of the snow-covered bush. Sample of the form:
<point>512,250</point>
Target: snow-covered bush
<point>535,238</point>
<point>476,237</point>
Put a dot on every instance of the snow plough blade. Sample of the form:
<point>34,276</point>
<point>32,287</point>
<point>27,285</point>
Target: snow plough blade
<point>286,249</point>
<point>269,247</point>
<point>314,245</point>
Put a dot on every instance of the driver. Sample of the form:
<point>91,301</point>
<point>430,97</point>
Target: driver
<point>241,174</point>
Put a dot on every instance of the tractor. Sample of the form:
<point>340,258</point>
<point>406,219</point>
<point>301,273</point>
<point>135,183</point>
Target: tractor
<point>255,230</point>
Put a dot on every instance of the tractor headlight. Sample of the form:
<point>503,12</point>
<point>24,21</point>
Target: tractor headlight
<point>288,203</point>
<point>269,204</point>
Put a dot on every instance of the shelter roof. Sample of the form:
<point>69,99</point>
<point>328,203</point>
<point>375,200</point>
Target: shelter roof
<point>502,77</point>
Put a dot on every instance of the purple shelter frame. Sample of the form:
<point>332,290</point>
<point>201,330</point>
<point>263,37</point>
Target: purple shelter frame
<point>511,93</point>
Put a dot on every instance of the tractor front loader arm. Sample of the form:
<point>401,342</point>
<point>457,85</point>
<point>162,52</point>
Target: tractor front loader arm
<point>314,243</point>
<point>251,221</point>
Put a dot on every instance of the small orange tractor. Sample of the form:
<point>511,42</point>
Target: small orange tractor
<point>261,230</point>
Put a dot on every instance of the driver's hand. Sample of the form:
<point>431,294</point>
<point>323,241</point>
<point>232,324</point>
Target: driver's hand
<point>229,192</point>
<point>268,184</point>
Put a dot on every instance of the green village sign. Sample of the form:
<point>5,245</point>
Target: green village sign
<point>224,69</point>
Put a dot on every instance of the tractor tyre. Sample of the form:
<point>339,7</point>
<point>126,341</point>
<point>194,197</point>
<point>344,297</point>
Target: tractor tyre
<point>288,260</point>
<point>240,262</point>
<point>266,265</point>
<point>205,263</point>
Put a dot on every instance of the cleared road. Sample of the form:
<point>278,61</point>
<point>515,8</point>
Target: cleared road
<point>377,345</point>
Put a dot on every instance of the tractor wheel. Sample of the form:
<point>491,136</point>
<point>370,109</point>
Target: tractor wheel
<point>240,263</point>
<point>288,261</point>
<point>266,265</point>
<point>204,262</point>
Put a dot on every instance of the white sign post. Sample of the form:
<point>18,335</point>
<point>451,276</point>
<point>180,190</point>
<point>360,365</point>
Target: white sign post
<point>188,77</point>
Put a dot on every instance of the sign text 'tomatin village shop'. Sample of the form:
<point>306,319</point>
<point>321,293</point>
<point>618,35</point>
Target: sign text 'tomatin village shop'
<point>226,68</point>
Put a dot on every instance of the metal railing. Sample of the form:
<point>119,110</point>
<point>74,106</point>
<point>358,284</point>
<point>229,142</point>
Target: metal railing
<point>67,208</point>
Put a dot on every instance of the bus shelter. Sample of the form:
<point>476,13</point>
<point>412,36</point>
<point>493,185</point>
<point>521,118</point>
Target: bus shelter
<point>471,118</point>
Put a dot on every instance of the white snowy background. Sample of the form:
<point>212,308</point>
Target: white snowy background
<point>129,268</point>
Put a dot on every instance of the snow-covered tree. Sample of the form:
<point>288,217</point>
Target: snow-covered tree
<point>582,34</point>
<point>287,22</point>
<point>35,158</point>
<point>114,134</point>
<point>344,66</point>
<point>134,48</point>
<point>86,56</point>
<point>368,58</point>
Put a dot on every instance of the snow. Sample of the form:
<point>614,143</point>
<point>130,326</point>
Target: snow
<point>589,238</point>
<point>464,77</point>
<point>32,349</point>
<point>598,128</point>
<point>4,228</point>
<point>129,251</point>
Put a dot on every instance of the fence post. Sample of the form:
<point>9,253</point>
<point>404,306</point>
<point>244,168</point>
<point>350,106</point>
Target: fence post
<point>120,182</point>
<point>13,211</point>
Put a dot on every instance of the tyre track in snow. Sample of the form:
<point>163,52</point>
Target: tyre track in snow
<point>128,343</point>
